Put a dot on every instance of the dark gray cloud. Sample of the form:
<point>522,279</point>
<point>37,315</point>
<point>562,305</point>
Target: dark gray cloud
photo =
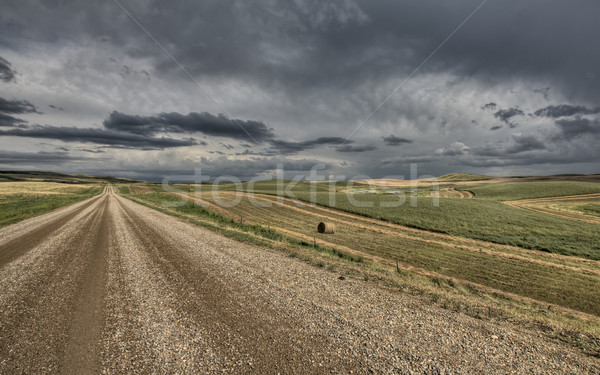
<point>319,43</point>
<point>8,120</point>
<point>496,127</point>
<point>354,148</point>
<point>7,74</point>
<point>505,115</point>
<point>17,106</point>
<point>99,136</point>
<point>579,126</point>
<point>564,110</point>
<point>193,122</point>
<point>288,147</point>
<point>47,158</point>
<point>524,143</point>
<point>315,67</point>
<point>392,140</point>
<point>455,149</point>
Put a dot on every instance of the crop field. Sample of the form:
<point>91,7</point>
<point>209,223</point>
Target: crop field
<point>484,218</point>
<point>530,190</point>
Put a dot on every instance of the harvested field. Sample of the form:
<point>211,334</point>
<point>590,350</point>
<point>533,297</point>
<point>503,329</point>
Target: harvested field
<point>140,189</point>
<point>39,188</point>
<point>565,207</point>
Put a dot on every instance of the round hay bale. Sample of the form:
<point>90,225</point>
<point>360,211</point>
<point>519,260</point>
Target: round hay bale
<point>327,228</point>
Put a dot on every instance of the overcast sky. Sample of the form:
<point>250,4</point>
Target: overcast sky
<point>240,87</point>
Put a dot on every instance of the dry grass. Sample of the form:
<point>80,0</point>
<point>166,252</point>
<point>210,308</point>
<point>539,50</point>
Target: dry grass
<point>140,189</point>
<point>33,188</point>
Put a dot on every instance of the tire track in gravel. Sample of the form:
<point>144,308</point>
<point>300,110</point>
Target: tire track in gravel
<point>242,332</point>
<point>35,320</point>
<point>87,323</point>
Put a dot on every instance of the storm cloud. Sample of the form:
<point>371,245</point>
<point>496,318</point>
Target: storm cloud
<point>392,140</point>
<point>505,115</point>
<point>355,148</point>
<point>290,147</point>
<point>8,120</point>
<point>205,123</point>
<point>17,106</point>
<point>272,80</point>
<point>7,74</point>
<point>563,110</point>
<point>579,126</point>
<point>99,136</point>
<point>41,157</point>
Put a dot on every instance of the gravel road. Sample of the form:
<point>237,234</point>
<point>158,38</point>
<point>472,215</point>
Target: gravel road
<point>110,286</point>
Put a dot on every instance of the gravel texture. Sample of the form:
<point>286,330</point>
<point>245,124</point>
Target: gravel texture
<point>110,286</point>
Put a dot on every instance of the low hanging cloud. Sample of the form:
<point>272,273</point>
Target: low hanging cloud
<point>42,157</point>
<point>194,122</point>
<point>524,143</point>
<point>7,74</point>
<point>565,110</point>
<point>99,136</point>
<point>392,140</point>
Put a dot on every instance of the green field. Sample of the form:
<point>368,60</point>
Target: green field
<point>484,217</point>
<point>590,209</point>
<point>529,190</point>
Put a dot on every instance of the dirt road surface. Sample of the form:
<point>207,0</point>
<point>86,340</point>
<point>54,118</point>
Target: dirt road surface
<point>109,286</point>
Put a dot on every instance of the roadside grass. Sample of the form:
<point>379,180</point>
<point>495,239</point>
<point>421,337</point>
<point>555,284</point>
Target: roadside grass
<point>40,198</point>
<point>529,190</point>
<point>123,189</point>
<point>443,291</point>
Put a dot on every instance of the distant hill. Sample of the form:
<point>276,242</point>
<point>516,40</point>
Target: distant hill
<point>59,177</point>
